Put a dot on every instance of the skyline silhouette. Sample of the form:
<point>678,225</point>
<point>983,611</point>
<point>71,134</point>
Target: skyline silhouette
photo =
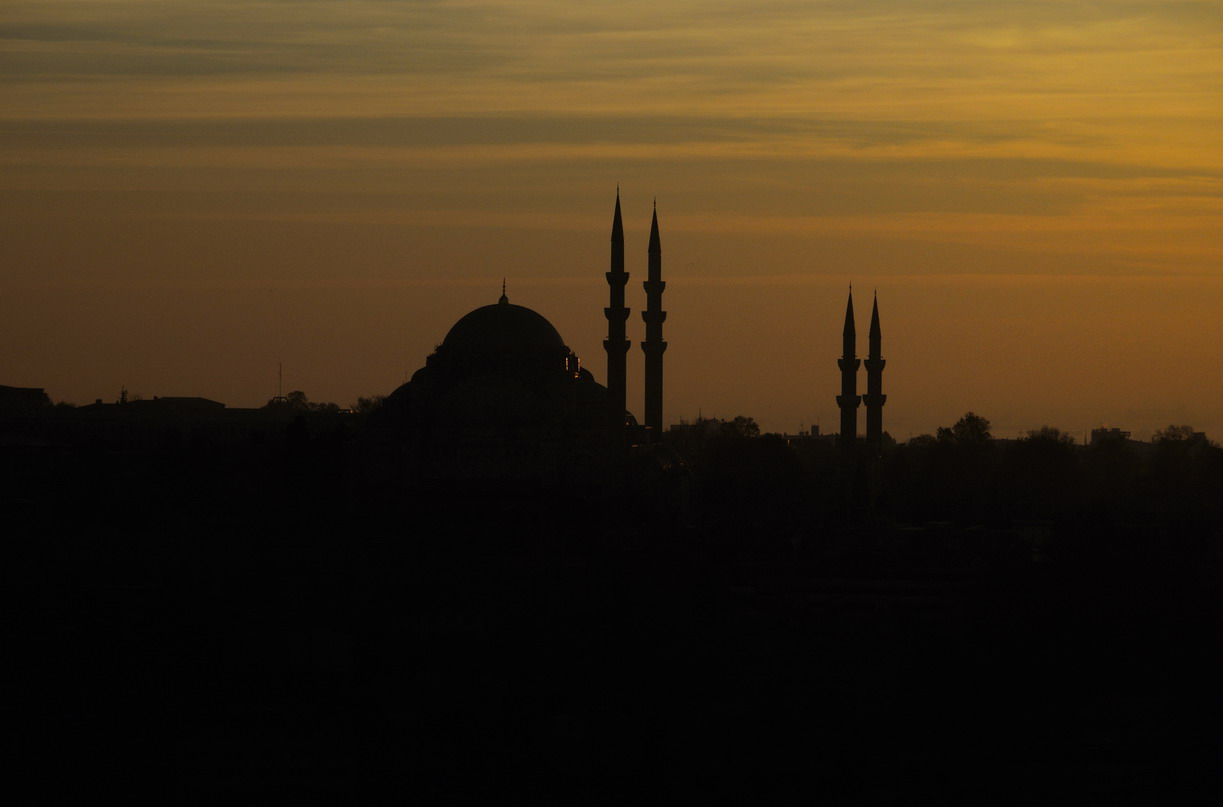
<point>871,430</point>
<point>1024,183</point>
<point>617,377</point>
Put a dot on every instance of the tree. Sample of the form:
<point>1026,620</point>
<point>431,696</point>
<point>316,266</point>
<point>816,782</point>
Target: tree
<point>1174,434</point>
<point>1050,434</point>
<point>365,406</point>
<point>743,426</point>
<point>972,429</point>
<point>298,402</point>
<point>1040,477</point>
<point>961,471</point>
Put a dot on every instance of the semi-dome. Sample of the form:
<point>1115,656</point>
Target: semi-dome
<point>503,328</point>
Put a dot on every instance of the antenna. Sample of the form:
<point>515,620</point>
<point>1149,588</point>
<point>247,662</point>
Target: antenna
<point>280,383</point>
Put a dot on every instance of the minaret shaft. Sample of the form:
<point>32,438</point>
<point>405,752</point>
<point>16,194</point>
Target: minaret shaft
<point>654,346</point>
<point>849,400</point>
<point>874,397</point>
<point>616,344</point>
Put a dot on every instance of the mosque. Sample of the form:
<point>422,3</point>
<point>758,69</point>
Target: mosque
<point>503,396</point>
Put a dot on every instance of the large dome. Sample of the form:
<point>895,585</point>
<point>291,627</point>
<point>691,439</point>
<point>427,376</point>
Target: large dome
<point>502,398</point>
<point>500,361</point>
<point>503,328</point>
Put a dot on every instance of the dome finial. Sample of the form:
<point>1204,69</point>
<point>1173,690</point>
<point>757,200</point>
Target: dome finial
<point>504,300</point>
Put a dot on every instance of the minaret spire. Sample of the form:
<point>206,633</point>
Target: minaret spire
<point>616,344</point>
<point>874,397</point>
<point>654,346</point>
<point>849,363</point>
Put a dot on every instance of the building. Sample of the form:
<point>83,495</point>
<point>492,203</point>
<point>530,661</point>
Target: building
<point>22,400</point>
<point>504,398</point>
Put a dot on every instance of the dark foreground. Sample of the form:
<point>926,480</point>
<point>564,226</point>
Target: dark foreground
<point>457,649</point>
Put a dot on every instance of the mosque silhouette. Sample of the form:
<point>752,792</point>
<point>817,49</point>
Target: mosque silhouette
<point>503,396</point>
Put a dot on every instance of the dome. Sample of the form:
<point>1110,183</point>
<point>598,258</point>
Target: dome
<point>489,351</point>
<point>503,328</point>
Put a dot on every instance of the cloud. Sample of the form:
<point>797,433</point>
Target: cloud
<point>781,113</point>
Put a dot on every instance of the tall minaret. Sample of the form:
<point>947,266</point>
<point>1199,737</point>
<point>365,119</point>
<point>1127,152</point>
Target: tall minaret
<point>616,344</point>
<point>848,400</point>
<point>653,345</point>
<point>874,397</point>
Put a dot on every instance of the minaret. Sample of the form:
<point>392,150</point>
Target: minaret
<point>653,345</point>
<point>848,400</point>
<point>616,344</point>
<point>874,397</point>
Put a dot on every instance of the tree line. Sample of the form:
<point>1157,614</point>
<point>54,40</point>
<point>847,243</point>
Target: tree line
<point>960,475</point>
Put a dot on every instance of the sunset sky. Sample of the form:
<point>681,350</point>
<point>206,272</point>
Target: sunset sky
<point>195,192</point>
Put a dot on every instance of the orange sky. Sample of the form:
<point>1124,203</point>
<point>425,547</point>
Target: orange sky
<point>193,193</point>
